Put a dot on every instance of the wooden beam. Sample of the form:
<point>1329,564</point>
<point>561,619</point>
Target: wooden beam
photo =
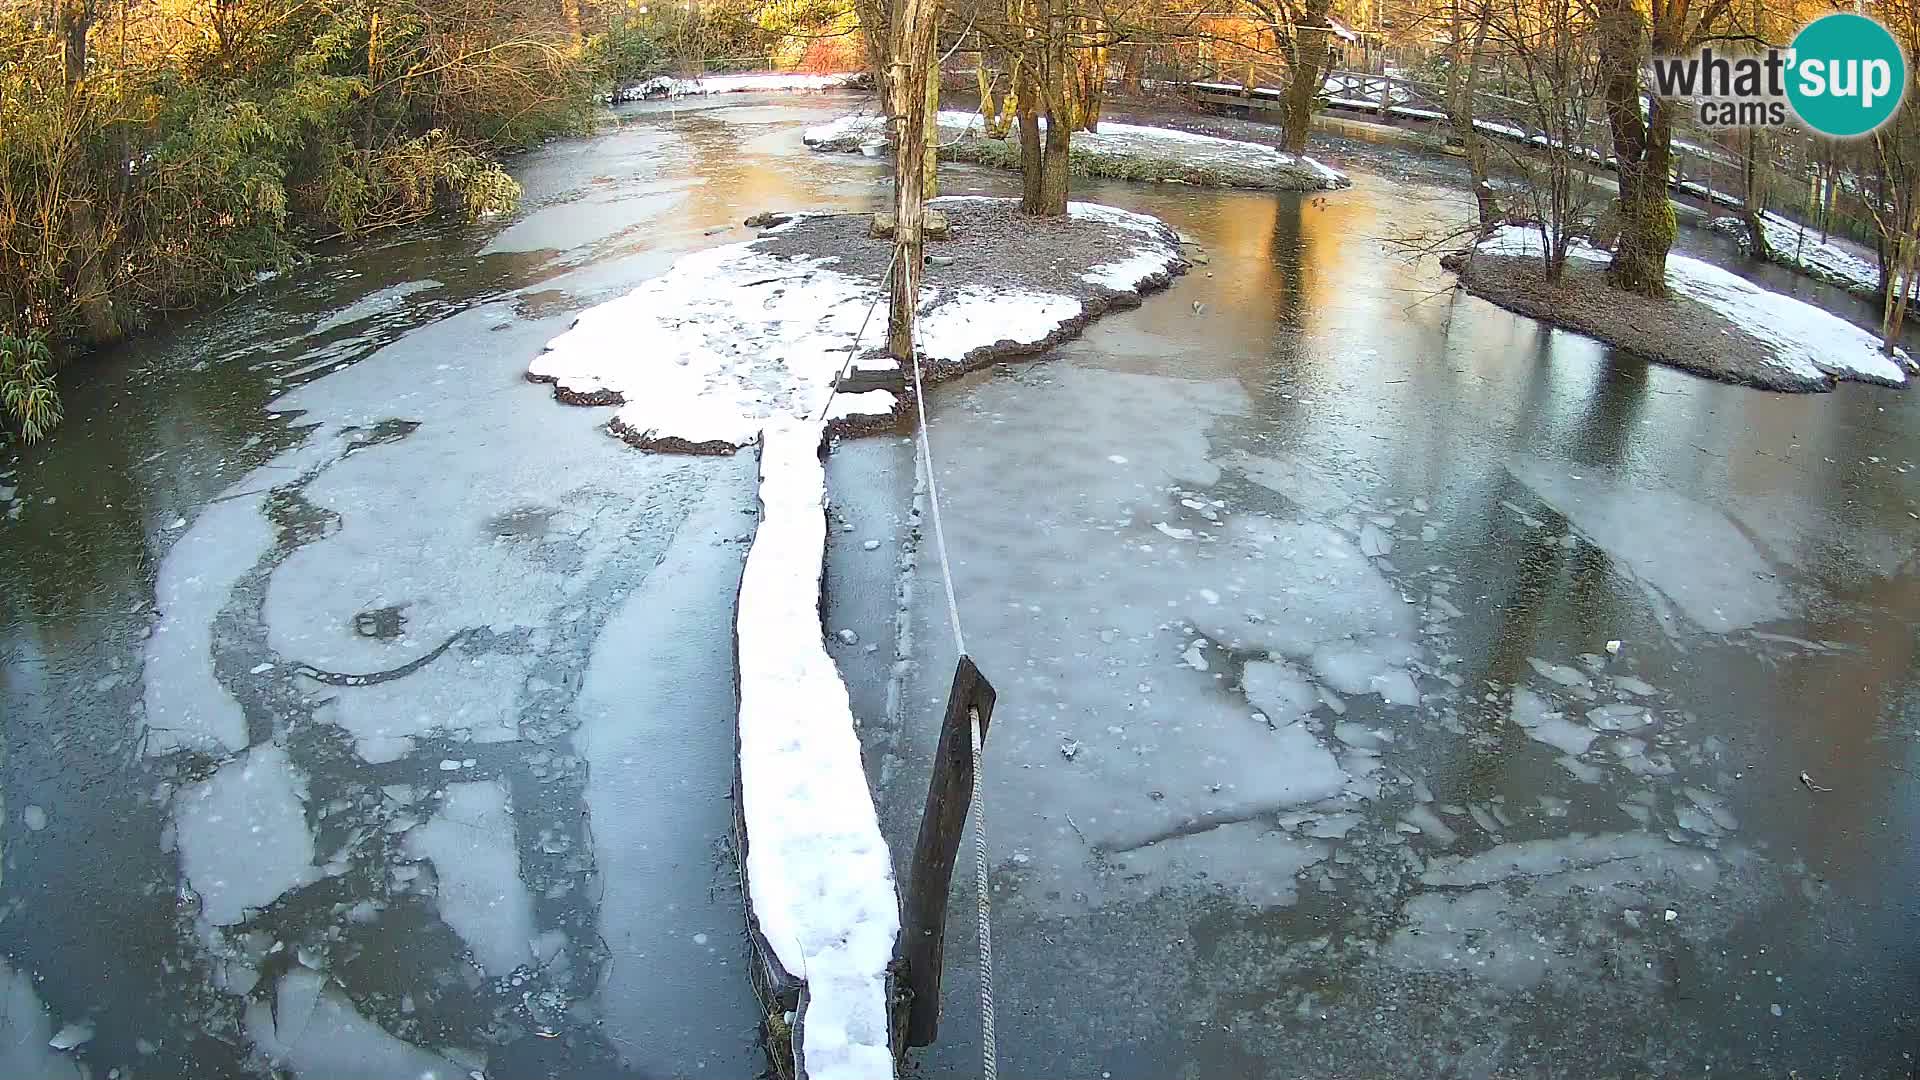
<point>923,927</point>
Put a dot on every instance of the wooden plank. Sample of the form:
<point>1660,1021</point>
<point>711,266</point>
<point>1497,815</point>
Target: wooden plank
<point>923,926</point>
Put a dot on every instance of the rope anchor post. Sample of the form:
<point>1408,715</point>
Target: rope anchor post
<point>955,785</point>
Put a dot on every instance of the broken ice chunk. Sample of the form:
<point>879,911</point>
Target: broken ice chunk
<point>1277,689</point>
<point>1619,717</point>
<point>1422,817</point>
<point>1559,673</point>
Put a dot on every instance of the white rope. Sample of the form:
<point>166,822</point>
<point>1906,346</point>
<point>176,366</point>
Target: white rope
<point>933,500</point>
<point>989,1048</point>
<point>989,1052</point>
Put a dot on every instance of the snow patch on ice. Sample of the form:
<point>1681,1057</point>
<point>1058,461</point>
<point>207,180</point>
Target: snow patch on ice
<point>955,323</point>
<point>243,834</point>
<point>471,844</point>
<point>1113,139</point>
<point>1794,244</point>
<point>668,86</point>
<point>1687,552</point>
<point>26,1028</point>
<point>320,1036</point>
<point>1154,251</point>
<point>818,873</point>
<point>186,707</point>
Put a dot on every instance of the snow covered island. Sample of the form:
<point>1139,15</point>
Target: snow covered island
<point>1715,323</point>
<point>1119,151</point>
<point>731,339</point>
<point>667,87</point>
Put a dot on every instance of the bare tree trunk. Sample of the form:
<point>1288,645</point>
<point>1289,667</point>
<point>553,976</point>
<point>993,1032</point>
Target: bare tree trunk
<point>1132,68</point>
<point>1053,174</point>
<point>1643,150</point>
<point>1899,290</point>
<point>910,34</point>
<point>1032,153</point>
<point>1751,195</point>
<point>931,160</point>
<point>1463,77</point>
<point>76,20</point>
<point>1305,73</point>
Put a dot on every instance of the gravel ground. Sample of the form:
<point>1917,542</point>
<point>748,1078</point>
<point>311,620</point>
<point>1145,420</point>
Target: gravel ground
<point>992,246</point>
<point>1677,331</point>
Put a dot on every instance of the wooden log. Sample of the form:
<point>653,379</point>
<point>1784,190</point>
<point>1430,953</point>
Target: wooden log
<point>923,925</point>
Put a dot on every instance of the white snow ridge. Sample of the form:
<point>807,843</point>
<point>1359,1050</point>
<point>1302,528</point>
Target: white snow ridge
<point>819,878</point>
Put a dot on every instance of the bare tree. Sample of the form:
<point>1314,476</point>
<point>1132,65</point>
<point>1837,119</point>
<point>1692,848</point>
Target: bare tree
<point>1466,52</point>
<point>1643,138</point>
<point>912,27</point>
<point>1548,51</point>
<point>1896,205</point>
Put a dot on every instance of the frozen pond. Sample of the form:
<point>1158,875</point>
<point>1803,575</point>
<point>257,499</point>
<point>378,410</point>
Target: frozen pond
<point>369,714</point>
<point>1391,686</point>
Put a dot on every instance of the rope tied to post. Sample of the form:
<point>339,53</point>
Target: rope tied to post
<point>989,1050</point>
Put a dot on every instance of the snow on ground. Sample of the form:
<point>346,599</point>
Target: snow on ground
<point>818,873</point>
<point>1796,245</point>
<point>724,341</point>
<point>732,338</point>
<point>666,86</point>
<point>312,1029</point>
<point>1154,249</point>
<point>1113,139</point>
<point>242,834</point>
<point>481,895</point>
<point>1808,342</point>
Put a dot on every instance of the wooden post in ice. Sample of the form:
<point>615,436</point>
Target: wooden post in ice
<point>910,38</point>
<point>923,926</point>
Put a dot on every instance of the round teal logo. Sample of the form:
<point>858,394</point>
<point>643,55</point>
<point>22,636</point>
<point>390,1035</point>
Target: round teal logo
<point>1847,75</point>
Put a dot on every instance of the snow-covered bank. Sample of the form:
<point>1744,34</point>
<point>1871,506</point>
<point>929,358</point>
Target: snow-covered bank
<point>666,86</point>
<point>702,357</point>
<point>1798,247</point>
<point>1715,322</point>
<point>1123,151</point>
<point>819,879</point>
